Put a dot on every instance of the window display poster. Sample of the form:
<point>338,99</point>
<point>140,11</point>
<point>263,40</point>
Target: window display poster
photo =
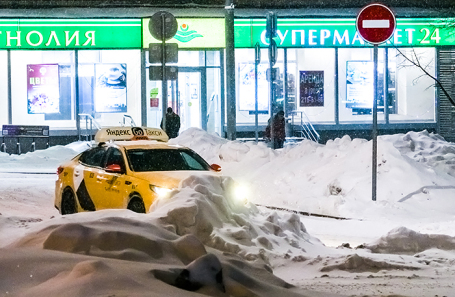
<point>110,90</point>
<point>359,84</point>
<point>154,100</point>
<point>43,93</point>
<point>247,87</point>
<point>311,88</point>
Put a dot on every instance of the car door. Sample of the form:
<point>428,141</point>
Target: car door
<point>85,183</point>
<point>114,185</point>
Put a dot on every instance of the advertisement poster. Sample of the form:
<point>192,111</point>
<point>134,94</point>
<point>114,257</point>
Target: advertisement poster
<point>154,100</point>
<point>359,84</point>
<point>247,87</point>
<point>43,93</point>
<point>110,90</point>
<point>311,88</point>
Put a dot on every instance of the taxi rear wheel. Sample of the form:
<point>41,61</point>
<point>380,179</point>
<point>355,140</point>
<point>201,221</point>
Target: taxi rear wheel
<point>136,205</point>
<point>68,205</point>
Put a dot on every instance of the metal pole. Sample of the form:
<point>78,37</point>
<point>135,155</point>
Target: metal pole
<point>10,100</point>
<point>230,72</point>
<point>386,85</point>
<point>375,122</point>
<point>257,53</point>
<point>76,86</point>
<point>144,95</point>
<point>163,65</point>
<point>272,101</point>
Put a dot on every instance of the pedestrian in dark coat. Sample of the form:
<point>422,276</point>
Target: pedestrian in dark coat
<point>172,123</point>
<point>279,131</point>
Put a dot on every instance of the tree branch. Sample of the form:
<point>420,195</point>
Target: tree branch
<point>417,64</point>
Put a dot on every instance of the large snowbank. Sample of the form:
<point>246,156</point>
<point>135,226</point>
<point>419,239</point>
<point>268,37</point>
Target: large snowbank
<point>203,241</point>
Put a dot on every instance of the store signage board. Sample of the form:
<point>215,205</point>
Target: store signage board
<point>70,34</point>
<point>198,33</point>
<point>307,33</point>
<point>376,23</point>
<point>311,88</point>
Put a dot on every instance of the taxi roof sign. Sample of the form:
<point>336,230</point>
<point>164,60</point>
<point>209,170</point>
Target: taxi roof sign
<point>130,133</point>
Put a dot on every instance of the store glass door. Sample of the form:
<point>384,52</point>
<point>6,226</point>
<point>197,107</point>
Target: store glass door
<point>191,98</point>
<point>194,96</point>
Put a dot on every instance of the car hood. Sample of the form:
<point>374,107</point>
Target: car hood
<point>170,179</point>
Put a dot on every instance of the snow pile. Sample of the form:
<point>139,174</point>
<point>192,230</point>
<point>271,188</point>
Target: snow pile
<point>428,148</point>
<point>405,241</point>
<point>335,179</point>
<point>41,161</point>
<point>82,254</point>
<point>236,158</point>
<point>200,239</point>
<point>207,207</point>
<point>400,249</point>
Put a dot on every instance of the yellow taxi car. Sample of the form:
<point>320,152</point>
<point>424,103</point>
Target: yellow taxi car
<point>129,168</point>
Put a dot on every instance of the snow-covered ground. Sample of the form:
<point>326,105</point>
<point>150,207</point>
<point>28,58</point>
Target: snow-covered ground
<point>203,241</point>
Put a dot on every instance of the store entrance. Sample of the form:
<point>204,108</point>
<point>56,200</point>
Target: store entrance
<point>189,98</point>
<point>194,96</point>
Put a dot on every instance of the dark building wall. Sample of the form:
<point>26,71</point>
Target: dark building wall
<point>446,63</point>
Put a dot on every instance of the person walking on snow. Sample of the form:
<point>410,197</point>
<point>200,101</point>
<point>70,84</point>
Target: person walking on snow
<point>279,131</point>
<point>172,123</point>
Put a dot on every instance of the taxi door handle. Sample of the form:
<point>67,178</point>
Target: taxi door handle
<point>77,173</point>
<point>101,178</point>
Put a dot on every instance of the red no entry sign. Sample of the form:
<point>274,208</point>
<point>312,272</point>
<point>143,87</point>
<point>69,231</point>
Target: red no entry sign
<point>376,23</point>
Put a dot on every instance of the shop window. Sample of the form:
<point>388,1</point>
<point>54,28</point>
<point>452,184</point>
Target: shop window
<point>109,78</point>
<point>411,92</point>
<point>212,58</point>
<point>110,86</point>
<point>311,84</point>
<point>42,88</point>
<point>356,86</point>
<point>245,85</point>
<point>3,88</point>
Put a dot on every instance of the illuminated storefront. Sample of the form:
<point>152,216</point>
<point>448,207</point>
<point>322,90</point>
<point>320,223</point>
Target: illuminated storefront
<point>57,72</point>
<point>75,74</point>
<point>326,73</point>
<point>197,94</point>
<point>43,57</point>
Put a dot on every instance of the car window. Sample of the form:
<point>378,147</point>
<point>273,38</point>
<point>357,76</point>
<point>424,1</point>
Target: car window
<point>192,162</point>
<point>165,160</point>
<point>93,157</point>
<point>114,156</point>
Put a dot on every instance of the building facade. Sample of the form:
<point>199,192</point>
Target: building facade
<point>72,67</point>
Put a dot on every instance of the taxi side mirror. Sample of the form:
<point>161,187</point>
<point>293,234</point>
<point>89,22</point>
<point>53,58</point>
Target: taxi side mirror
<point>114,168</point>
<point>216,167</point>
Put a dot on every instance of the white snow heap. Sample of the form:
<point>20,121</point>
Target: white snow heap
<point>428,148</point>
<point>335,178</point>
<point>206,207</point>
<point>405,241</point>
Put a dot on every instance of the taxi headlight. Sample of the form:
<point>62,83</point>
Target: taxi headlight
<point>161,192</point>
<point>241,193</point>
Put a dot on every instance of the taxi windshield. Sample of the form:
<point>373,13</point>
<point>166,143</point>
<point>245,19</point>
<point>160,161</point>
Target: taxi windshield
<point>142,160</point>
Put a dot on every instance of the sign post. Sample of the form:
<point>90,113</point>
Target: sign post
<point>375,23</point>
<point>271,32</point>
<point>257,60</point>
<point>163,26</point>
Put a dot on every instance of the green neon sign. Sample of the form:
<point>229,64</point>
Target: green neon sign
<point>192,33</point>
<point>70,33</point>
<point>300,33</point>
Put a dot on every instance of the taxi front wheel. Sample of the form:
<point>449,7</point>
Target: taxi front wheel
<point>68,205</point>
<point>136,205</point>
